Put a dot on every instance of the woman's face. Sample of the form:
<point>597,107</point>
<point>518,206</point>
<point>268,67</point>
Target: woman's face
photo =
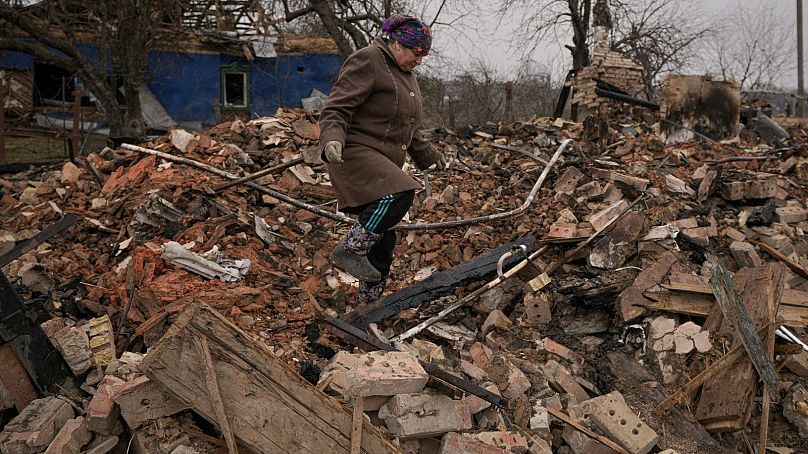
<point>405,57</point>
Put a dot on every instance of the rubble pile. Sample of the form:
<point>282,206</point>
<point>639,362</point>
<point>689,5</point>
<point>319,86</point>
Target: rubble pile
<point>614,334</point>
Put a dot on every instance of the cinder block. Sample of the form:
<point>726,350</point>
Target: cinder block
<point>581,443</point>
<point>71,438</point>
<point>611,415</point>
<point>511,441</point>
<point>496,318</point>
<point>537,308</point>
<point>454,443</point>
<point>103,412</point>
<point>424,415</point>
<point>36,426</point>
<point>375,374</point>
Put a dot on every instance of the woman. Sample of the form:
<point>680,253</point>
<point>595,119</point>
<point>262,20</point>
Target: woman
<point>368,125</point>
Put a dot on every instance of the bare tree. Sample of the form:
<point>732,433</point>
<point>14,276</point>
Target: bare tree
<point>754,46</point>
<point>660,35</point>
<point>541,20</point>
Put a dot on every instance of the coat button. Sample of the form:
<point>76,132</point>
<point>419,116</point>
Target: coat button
<point>412,119</point>
<point>403,147</point>
<point>412,93</point>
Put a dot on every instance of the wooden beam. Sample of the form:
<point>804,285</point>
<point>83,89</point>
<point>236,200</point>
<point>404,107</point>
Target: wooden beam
<point>270,407</point>
<point>792,265</point>
<point>690,387</point>
<point>775,293</point>
<point>356,430</point>
<point>216,396</point>
<point>736,313</point>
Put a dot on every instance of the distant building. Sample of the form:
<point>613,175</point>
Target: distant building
<point>203,84</point>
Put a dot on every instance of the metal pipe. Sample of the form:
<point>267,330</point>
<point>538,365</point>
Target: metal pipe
<point>348,220</point>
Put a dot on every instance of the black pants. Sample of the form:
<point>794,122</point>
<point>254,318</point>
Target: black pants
<point>378,217</point>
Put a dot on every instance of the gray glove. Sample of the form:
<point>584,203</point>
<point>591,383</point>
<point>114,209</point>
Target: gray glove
<point>441,163</point>
<point>333,152</point>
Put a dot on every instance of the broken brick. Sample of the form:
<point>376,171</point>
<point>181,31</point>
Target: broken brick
<point>36,426</point>
<point>454,443</point>
<point>424,415</point>
<point>103,412</point>
<point>71,438</point>
<point>142,400</point>
<point>375,374</point>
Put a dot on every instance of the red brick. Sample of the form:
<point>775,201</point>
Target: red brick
<point>103,412</point>
<point>454,443</point>
<point>548,345</point>
<point>70,439</point>
<point>15,379</point>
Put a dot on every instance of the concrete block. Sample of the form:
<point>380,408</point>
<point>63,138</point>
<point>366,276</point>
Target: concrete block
<point>71,438</point>
<point>424,415</point>
<point>142,400</point>
<point>36,426</point>
<point>454,443</point>
<point>568,181</point>
<point>103,412</point>
<point>375,374</point>
<point>611,415</point>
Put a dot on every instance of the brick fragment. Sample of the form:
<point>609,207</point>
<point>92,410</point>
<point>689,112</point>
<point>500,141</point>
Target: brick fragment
<point>102,340</point>
<point>496,318</point>
<point>142,400</point>
<point>72,342</point>
<point>103,412</point>
<point>375,374</point>
<point>798,364</point>
<point>424,415</point>
<point>36,426</point>
<point>792,214</point>
<point>537,308</point>
<point>15,380</point>
<point>745,254</point>
<point>548,345</point>
<point>71,438</point>
<point>454,443</point>
<point>560,378</point>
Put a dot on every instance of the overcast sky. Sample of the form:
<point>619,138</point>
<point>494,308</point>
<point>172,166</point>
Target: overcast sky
<point>480,35</point>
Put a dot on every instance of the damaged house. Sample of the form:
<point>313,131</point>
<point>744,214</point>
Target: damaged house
<point>197,78</point>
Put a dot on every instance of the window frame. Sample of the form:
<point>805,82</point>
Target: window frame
<point>235,69</point>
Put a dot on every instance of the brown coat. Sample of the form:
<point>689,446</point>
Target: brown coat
<point>374,110</point>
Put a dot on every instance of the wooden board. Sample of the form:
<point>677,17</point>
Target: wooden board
<point>270,408</point>
<point>726,399</point>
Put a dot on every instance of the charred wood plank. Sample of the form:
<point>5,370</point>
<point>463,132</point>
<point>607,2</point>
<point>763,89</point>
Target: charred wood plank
<point>38,239</point>
<point>437,285</point>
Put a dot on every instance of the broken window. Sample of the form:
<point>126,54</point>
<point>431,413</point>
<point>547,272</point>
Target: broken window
<point>235,83</point>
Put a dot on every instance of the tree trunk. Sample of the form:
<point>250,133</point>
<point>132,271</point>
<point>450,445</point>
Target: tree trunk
<point>332,26</point>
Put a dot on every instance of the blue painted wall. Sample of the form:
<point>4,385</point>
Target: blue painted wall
<point>189,87</point>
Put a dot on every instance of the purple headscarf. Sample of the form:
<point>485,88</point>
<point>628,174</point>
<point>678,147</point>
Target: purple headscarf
<point>410,32</point>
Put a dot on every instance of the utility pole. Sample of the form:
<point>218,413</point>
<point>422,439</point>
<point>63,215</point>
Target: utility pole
<point>800,71</point>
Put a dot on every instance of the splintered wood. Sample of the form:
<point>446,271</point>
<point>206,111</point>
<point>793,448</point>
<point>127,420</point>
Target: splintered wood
<point>726,398</point>
<point>257,390</point>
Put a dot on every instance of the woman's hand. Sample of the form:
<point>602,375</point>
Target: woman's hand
<point>333,152</point>
<point>441,163</point>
